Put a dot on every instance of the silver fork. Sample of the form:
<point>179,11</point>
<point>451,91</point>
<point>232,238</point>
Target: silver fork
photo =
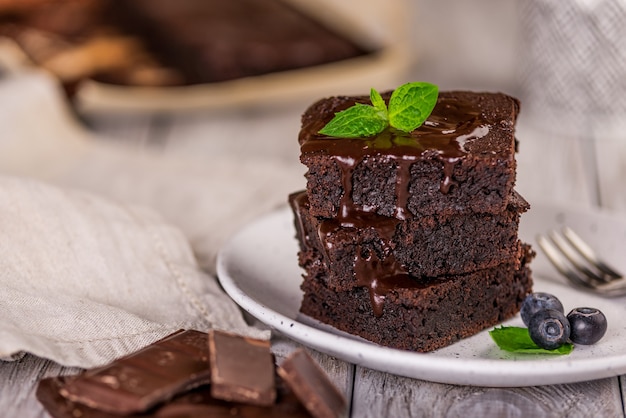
<point>575,260</point>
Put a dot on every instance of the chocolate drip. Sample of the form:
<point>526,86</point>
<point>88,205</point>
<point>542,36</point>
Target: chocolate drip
<point>445,136</point>
<point>346,207</point>
<point>402,188</point>
<point>380,276</point>
<point>379,271</point>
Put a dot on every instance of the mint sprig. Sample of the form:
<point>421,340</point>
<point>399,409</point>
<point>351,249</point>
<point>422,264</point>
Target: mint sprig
<point>517,340</point>
<point>409,107</point>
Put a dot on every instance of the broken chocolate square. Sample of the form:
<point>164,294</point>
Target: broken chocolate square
<point>312,386</point>
<point>137,382</point>
<point>242,369</point>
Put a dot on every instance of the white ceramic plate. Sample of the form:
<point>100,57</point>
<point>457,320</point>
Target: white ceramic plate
<point>258,269</point>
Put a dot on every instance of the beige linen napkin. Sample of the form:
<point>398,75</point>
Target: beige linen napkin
<point>85,280</point>
<point>89,277</point>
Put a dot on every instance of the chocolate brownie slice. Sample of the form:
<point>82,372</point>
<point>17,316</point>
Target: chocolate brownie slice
<point>461,160</point>
<point>214,40</point>
<point>373,246</point>
<point>426,315</point>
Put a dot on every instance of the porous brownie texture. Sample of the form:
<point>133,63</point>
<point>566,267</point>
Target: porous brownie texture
<point>462,159</point>
<point>427,317</point>
<point>425,246</point>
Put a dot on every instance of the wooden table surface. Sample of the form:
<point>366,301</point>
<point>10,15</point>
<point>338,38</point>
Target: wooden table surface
<point>370,393</point>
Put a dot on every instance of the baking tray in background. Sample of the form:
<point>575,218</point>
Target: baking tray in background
<point>374,25</point>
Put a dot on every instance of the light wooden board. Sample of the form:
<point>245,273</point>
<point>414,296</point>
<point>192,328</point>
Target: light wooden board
<point>378,394</point>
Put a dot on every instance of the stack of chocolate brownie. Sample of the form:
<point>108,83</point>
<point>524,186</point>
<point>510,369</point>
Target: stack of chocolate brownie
<point>411,240</point>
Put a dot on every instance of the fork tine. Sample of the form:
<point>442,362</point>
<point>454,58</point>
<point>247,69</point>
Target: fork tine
<point>558,261</point>
<point>575,258</point>
<point>586,251</point>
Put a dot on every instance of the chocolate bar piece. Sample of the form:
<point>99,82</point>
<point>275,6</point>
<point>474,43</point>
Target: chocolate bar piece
<point>137,382</point>
<point>312,386</point>
<point>242,369</point>
<point>195,403</point>
<point>58,406</point>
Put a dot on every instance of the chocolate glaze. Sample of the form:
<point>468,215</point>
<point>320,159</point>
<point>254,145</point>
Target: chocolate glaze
<point>379,273</point>
<point>446,136</point>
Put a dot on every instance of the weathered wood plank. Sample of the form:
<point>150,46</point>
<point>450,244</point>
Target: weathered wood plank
<point>622,388</point>
<point>378,394</point>
<point>19,382</point>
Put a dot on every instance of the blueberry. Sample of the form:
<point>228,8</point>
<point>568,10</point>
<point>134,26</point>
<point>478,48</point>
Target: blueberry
<point>538,301</point>
<point>588,325</point>
<point>549,329</point>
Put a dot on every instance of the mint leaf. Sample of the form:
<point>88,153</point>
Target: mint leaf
<point>411,104</point>
<point>517,340</point>
<point>357,121</point>
<point>379,103</point>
